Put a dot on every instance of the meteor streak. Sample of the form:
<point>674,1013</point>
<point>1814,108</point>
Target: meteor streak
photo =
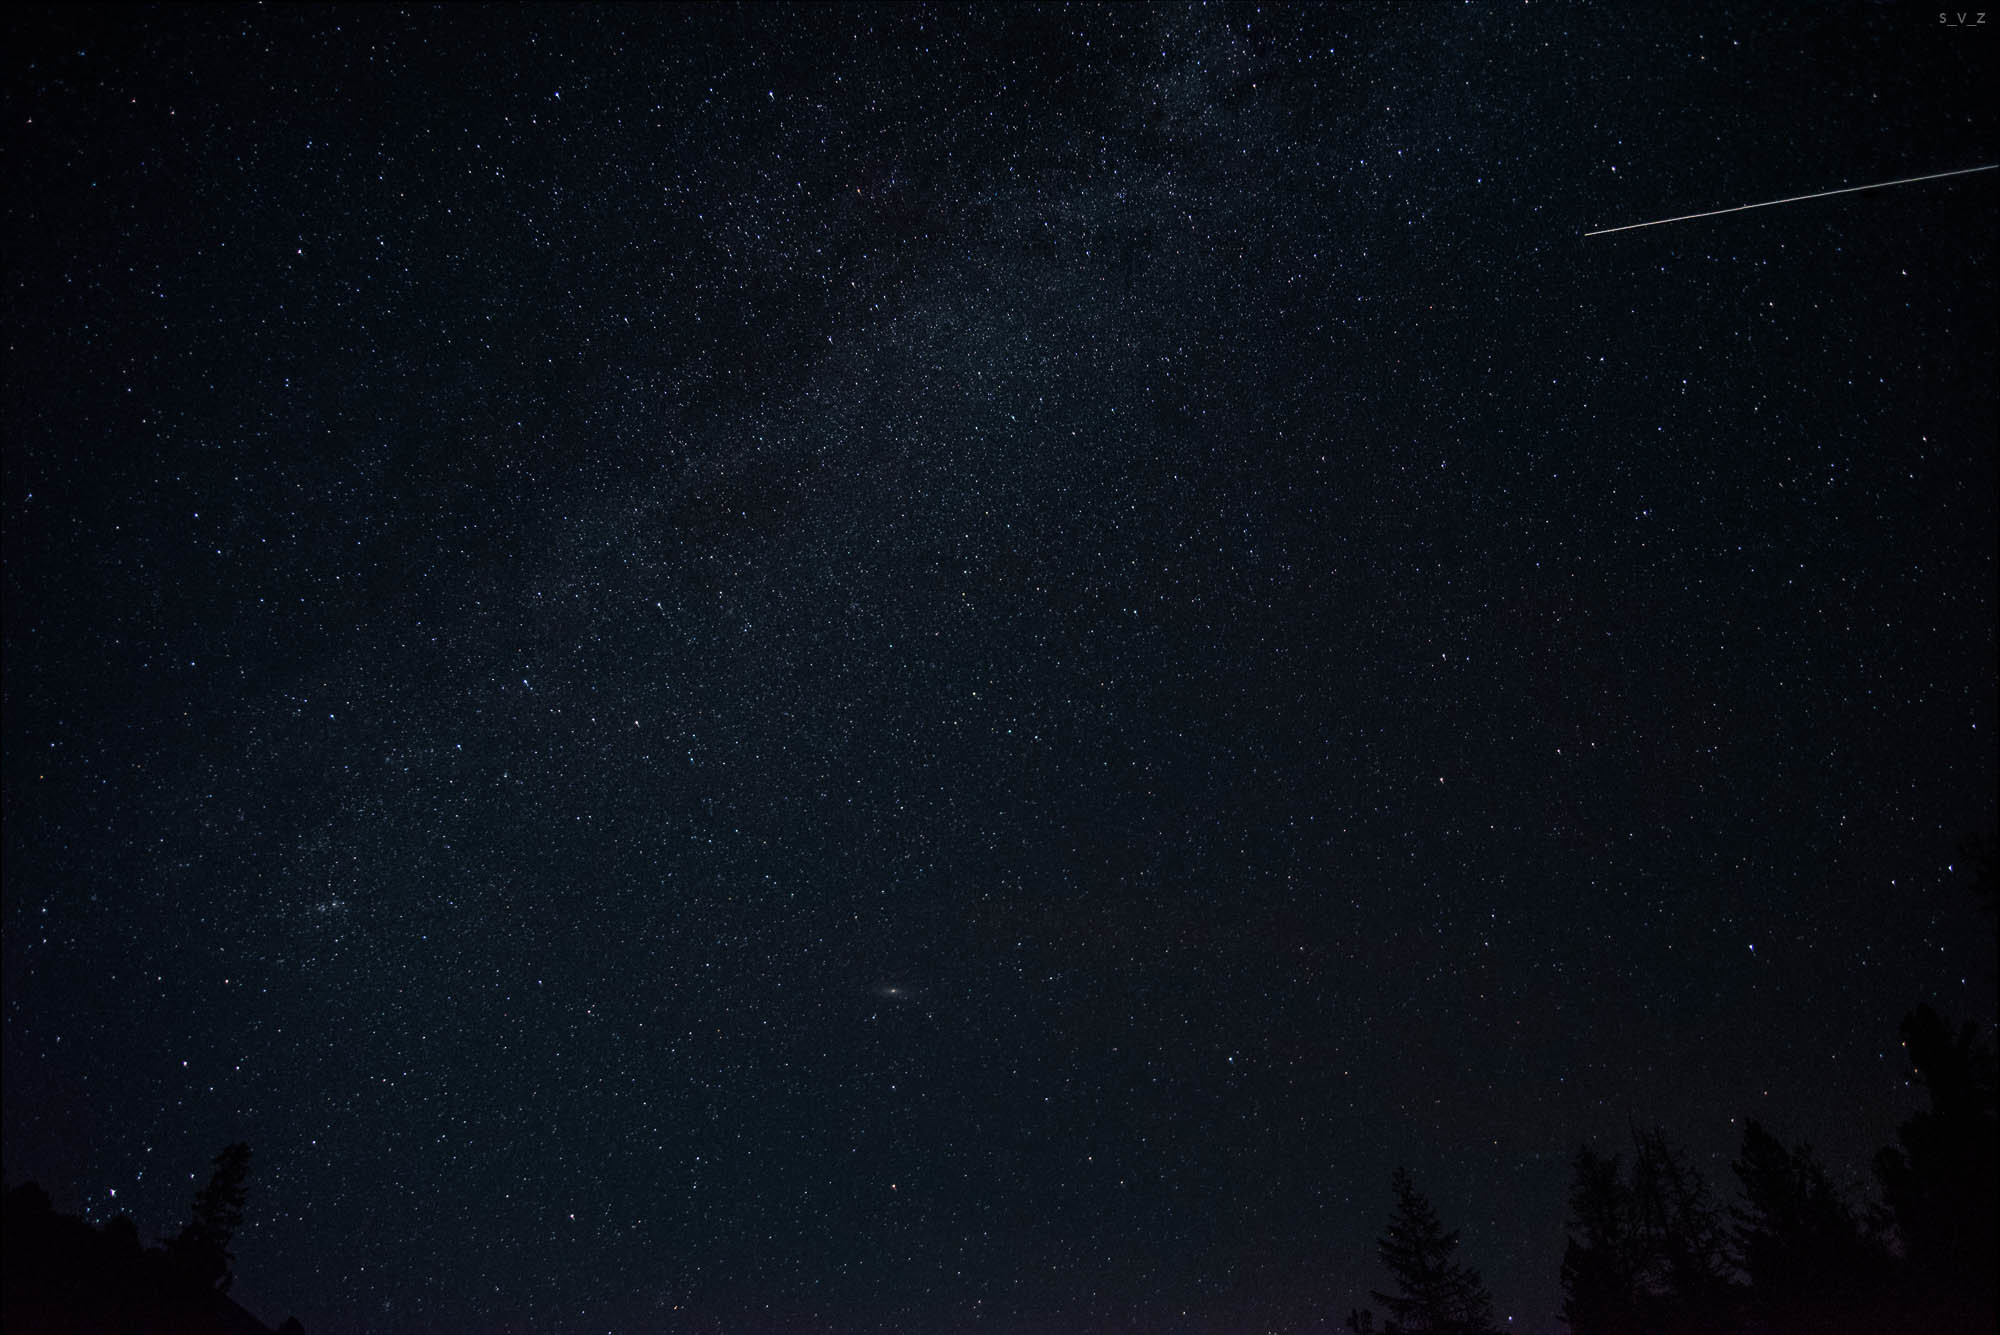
<point>1793,199</point>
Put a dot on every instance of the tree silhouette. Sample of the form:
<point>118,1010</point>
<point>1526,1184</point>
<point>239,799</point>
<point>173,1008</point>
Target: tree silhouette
<point>1939,1179</point>
<point>1436,1295</point>
<point>1680,1266</point>
<point>1598,1267</point>
<point>1797,1238</point>
<point>199,1254</point>
<point>1981,855</point>
<point>1644,1253</point>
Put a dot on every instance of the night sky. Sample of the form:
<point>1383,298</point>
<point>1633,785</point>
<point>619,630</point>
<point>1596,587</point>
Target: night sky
<point>933,669</point>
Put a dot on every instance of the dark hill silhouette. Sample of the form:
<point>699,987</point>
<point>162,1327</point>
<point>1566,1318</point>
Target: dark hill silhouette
<point>59,1273</point>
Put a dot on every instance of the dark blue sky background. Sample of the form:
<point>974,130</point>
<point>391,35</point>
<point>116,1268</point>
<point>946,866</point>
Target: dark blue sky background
<point>941,669</point>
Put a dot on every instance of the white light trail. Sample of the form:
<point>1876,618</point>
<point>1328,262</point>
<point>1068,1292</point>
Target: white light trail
<point>1793,199</point>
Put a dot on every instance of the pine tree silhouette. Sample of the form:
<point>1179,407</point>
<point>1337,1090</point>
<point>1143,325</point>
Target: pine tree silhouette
<point>1645,1249</point>
<point>1599,1262</point>
<point>1436,1295</point>
<point>1681,1267</point>
<point>1797,1237</point>
<point>1938,1180</point>
<point>199,1254</point>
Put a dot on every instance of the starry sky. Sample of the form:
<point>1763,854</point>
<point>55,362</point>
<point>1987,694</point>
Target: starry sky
<point>930,669</point>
